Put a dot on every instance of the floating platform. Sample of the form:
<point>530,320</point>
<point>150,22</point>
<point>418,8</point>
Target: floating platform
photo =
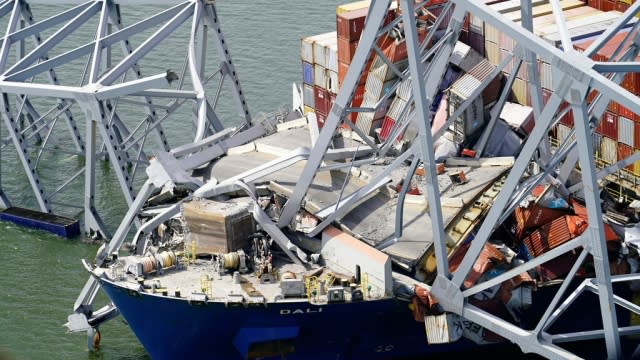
<point>59,225</point>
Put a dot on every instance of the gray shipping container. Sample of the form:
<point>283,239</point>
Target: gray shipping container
<point>625,131</point>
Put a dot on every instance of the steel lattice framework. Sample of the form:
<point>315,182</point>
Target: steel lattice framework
<point>112,75</point>
<point>104,85</point>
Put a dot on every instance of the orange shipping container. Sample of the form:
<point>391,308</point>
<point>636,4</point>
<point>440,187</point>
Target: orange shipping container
<point>554,234</point>
<point>533,217</point>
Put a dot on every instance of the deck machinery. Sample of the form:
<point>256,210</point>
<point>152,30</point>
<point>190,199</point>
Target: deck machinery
<point>97,92</point>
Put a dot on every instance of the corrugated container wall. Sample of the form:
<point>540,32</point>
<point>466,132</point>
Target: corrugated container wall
<point>625,131</point>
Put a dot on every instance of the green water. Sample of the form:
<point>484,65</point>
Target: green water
<point>41,274</point>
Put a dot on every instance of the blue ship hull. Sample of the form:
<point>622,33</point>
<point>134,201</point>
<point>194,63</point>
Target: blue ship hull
<point>172,328</point>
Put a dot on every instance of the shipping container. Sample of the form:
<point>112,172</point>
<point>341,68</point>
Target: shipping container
<point>386,128</point>
<point>322,99</point>
<point>349,25</point>
<point>566,118</point>
<point>396,108</point>
<point>533,217</point>
<point>554,234</point>
<point>626,130</point>
<point>473,116</point>
<point>356,101</point>
<point>307,47</point>
<point>376,87</point>
<point>325,51</point>
<point>597,145</point>
<point>624,112</point>
<point>545,73</point>
<point>636,129</point>
<point>492,52</point>
<point>476,41</point>
<point>608,125</point>
<point>520,92</point>
<point>321,118</point>
<point>636,166</point>
<point>624,151</point>
<point>320,76</point>
<point>481,72</point>
<point>519,117</point>
<point>332,81</point>
<point>307,73</point>
<point>308,96</point>
<point>584,31</point>
<point>608,150</point>
<point>346,50</point>
<point>563,132</point>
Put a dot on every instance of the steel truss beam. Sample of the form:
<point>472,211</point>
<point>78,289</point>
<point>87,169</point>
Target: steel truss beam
<point>97,93</point>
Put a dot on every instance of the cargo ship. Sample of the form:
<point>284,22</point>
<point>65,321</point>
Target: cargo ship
<point>340,228</point>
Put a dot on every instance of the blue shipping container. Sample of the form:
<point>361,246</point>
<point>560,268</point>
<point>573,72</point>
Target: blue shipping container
<point>307,73</point>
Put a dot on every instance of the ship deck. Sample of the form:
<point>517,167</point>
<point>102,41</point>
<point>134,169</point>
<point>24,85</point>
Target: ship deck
<point>373,220</point>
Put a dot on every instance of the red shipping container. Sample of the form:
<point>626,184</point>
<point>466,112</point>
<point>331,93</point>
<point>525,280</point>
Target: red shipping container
<point>567,118</point>
<point>636,128</point>
<point>591,96</point>
<point>554,234</point>
<point>346,50</point>
<point>608,125</point>
<point>624,151</point>
<point>349,25</point>
<point>606,5</point>
<point>621,6</point>
<point>594,4</point>
<point>533,217</point>
<point>624,112</point>
<point>321,118</point>
<point>322,99</point>
<point>613,107</point>
<point>342,73</point>
<point>546,95</point>
<point>387,126</point>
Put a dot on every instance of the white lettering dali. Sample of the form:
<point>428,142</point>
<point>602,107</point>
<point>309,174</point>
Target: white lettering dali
<point>299,311</point>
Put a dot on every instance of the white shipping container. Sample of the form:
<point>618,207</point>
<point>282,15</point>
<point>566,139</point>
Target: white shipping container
<point>546,80</point>
<point>397,105</point>
<point>584,31</point>
<point>332,54</point>
<point>563,132</point>
<point>597,143</point>
<point>320,76</point>
<point>332,81</point>
<point>609,150</point>
<point>625,130</point>
<point>321,48</point>
<point>307,47</point>
<point>404,89</point>
<point>308,97</point>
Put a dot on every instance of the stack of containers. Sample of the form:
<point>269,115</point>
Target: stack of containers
<point>618,134</point>
<point>380,81</point>
<point>349,25</point>
<point>320,86</point>
<point>397,109</point>
<point>497,46</point>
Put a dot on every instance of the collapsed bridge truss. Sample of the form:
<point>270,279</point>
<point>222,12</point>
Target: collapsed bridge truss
<point>35,96</point>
